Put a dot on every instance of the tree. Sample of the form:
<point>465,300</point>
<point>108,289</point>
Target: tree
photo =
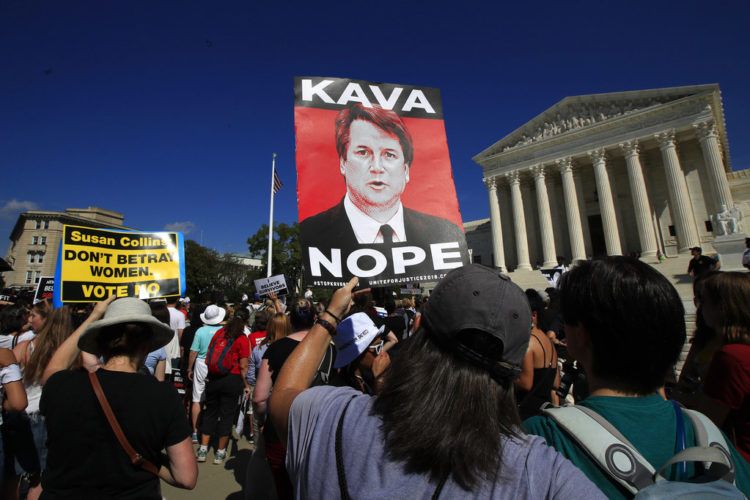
<point>201,270</point>
<point>286,250</point>
<point>235,277</point>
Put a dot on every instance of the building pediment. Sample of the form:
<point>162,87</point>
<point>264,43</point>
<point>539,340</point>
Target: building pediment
<point>573,115</point>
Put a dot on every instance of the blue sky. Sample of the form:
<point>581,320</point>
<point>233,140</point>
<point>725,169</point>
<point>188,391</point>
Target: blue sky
<point>169,111</point>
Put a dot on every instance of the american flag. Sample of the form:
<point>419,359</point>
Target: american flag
<point>276,182</point>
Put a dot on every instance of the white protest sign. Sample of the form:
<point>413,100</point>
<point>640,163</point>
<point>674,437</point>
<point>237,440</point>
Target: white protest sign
<point>411,289</point>
<point>276,284</point>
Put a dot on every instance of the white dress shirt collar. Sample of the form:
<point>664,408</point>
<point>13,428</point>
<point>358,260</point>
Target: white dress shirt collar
<point>367,229</point>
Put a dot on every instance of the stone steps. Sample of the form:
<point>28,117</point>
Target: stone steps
<point>673,268</point>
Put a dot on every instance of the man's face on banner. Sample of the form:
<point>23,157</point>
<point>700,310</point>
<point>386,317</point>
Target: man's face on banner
<point>374,167</point>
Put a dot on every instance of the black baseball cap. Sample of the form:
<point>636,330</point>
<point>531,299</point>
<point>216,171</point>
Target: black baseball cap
<point>483,316</point>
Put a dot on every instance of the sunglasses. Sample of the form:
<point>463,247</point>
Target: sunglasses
<point>378,348</point>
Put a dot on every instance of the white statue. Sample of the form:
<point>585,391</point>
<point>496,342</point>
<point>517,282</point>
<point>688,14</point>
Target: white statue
<point>737,215</point>
<point>728,221</point>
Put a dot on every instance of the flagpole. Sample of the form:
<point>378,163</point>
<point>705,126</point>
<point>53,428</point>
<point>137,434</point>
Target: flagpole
<point>270,218</point>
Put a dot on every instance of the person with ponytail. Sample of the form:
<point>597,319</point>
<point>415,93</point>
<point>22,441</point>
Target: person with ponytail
<point>227,360</point>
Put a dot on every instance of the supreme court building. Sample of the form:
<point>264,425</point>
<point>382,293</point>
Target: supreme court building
<point>611,174</point>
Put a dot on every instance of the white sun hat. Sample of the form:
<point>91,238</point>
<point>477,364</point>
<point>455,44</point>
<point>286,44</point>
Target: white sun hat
<point>353,336</point>
<point>213,315</point>
<point>122,311</point>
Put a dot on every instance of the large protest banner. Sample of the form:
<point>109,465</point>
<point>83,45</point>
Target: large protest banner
<point>96,263</point>
<point>375,189</point>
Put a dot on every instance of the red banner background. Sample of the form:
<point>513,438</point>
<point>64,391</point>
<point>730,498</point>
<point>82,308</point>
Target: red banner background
<point>320,184</point>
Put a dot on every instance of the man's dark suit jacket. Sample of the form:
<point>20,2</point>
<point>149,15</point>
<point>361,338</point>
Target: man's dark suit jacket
<point>332,229</point>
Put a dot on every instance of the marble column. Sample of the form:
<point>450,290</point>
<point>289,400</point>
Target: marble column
<point>495,221</point>
<point>606,202</point>
<point>575,231</point>
<point>545,218</point>
<point>519,221</point>
<point>679,197</point>
<point>641,206</point>
<point>583,207</point>
<point>709,141</point>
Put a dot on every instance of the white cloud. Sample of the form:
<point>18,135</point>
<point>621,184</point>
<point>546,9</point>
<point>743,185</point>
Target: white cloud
<point>185,227</point>
<point>13,207</point>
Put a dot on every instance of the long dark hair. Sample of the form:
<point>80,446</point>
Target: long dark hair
<point>236,325</point>
<point>634,318</point>
<point>444,416</point>
<point>12,319</point>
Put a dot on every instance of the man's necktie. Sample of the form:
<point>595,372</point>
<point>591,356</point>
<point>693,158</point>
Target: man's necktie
<point>387,232</point>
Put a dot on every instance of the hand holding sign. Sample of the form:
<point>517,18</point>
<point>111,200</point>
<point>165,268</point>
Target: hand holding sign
<point>376,199</point>
<point>341,301</point>
<point>275,284</point>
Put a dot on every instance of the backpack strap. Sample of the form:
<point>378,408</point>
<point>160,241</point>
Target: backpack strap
<point>707,435</point>
<point>227,349</point>
<point>720,468</point>
<point>605,445</point>
<point>325,376</point>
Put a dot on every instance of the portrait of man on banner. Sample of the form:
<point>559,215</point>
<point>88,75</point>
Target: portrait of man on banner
<point>367,229</point>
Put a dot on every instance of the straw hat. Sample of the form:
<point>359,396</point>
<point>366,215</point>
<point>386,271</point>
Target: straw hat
<point>126,310</point>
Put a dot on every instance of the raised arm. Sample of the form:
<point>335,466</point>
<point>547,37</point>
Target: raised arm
<point>66,354</point>
<point>277,305</point>
<point>299,369</point>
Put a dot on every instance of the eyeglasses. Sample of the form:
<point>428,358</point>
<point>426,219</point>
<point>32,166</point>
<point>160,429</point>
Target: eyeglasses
<point>378,348</point>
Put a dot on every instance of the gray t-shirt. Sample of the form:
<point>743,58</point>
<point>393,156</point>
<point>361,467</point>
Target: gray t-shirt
<point>530,469</point>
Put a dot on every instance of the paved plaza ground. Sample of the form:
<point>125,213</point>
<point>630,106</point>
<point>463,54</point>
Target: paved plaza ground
<point>226,481</point>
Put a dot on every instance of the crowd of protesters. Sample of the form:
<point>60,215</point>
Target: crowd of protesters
<point>465,393</point>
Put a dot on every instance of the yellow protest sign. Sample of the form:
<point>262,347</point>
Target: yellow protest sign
<point>96,263</point>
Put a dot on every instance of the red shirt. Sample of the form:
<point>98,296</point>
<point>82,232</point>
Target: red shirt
<point>728,380</point>
<point>240,349</point>
<point>256,338</point>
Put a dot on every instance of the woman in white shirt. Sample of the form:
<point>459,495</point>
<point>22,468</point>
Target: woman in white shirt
<point>33,356</point>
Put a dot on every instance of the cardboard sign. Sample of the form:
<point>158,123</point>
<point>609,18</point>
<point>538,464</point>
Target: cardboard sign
<point>276,284</point>
<point>45,289</point>
<point>96,263</point>
<point>375,189</point>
